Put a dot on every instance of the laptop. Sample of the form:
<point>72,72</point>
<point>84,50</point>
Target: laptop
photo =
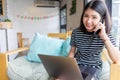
<point>59,65</point>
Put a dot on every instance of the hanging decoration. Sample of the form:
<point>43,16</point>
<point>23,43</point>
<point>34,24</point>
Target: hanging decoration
<point>34,17</point>
<point>73,8</point>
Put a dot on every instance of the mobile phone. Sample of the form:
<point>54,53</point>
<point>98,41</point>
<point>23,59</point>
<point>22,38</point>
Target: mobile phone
<point>97,32</point>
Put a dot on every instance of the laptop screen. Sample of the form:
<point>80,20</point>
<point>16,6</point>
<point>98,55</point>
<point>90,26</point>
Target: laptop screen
<point>58,65</point>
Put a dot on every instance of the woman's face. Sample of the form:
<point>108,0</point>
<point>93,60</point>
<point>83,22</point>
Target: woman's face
<point>90,19</point>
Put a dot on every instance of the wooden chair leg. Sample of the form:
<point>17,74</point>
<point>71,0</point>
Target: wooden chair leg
<point>115,72</point>
<point>3,67</point>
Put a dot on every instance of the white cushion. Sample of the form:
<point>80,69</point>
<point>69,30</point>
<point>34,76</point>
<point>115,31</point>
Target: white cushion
<point>105,75</point>
<point>21,69</point>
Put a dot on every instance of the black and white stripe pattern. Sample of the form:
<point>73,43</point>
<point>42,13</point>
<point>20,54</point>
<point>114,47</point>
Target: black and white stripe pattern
<point>89,48</point>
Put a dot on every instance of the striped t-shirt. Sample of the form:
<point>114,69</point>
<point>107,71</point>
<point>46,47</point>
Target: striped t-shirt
<point>88,48</point>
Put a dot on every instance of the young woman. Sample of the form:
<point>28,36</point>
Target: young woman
<point>89,39</point>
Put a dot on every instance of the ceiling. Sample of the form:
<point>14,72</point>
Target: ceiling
<point>53,0</point>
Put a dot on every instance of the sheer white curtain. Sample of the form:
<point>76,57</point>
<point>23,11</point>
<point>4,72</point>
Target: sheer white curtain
<point>116,21</point>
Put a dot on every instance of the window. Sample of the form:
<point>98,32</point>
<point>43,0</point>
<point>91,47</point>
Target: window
<point>116,21</point>
<point>63,19</point>
<point>1,7</point>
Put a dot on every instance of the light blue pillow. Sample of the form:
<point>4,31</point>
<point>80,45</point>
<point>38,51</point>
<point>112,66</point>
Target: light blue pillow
<point>66,47</point>
<point>44,45</point>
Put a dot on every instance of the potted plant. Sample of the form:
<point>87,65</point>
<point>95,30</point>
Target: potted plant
<point>6,24</point>
<point>7,20</point>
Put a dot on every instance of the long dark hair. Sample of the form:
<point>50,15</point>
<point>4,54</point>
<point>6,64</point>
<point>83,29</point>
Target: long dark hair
<point>100,7</point>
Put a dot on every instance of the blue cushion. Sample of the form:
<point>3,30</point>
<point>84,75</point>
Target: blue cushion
<point>44,45</point>
<point>66,47</point>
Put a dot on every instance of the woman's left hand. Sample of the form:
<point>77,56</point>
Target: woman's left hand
<point>100,26</point>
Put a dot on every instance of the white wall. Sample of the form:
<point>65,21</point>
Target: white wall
<point>20,10</point>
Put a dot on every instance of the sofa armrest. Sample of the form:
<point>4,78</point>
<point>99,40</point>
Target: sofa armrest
<point>15,51</point>
<point>115,72</point>
<point>4,62</point>
<point>58,35</point>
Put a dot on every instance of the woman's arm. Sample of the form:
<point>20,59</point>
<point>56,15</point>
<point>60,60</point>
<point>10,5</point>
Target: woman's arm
<point>113,52</point>
<point>72,51</point>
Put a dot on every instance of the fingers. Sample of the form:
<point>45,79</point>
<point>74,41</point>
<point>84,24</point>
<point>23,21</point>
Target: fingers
<point>99,26</point>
